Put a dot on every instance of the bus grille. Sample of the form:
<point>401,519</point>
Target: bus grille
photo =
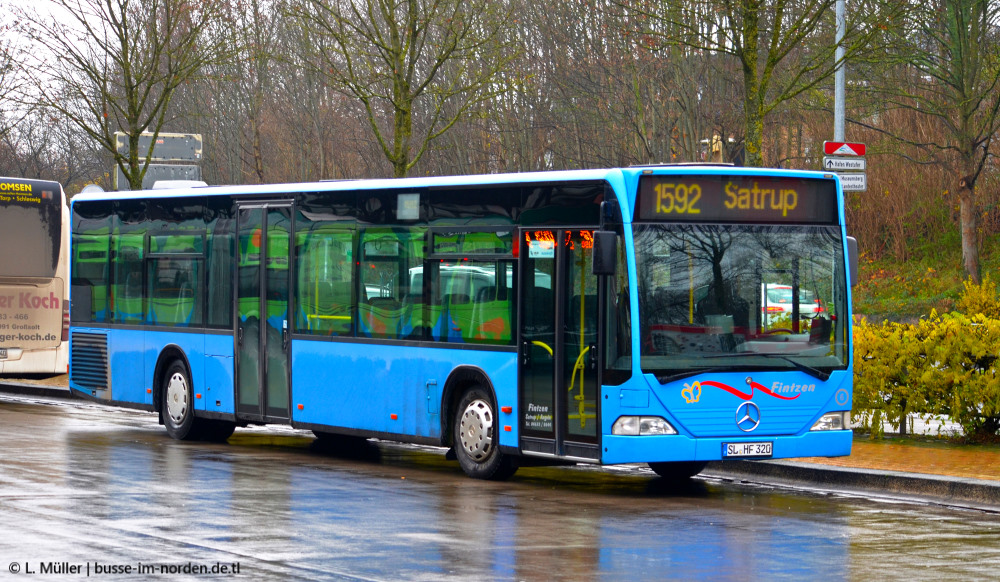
<point>89,360</point>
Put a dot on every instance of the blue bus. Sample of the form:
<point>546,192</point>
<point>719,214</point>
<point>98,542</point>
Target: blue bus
<point>670,315</point>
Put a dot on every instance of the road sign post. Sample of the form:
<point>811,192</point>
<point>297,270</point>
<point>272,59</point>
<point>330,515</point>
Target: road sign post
<point>840,148</point>
<point>847,160</point>
<point>856,182</point>
<point>844,164</point>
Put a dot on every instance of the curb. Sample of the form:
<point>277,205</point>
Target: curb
<point>944,490</point>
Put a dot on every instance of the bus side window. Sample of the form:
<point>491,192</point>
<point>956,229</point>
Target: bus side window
<point>385,305</point>
<point>618,339</point>
<point>324,274</point>
<point>127,289</point>
<point>174,293</point>
<point>90,279</point>
<point>90,270</point>
<point>219,256</point>
<point>475,306</point>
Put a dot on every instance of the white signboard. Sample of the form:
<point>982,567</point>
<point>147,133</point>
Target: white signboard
<point>541,249</point>
<point>844,164</point>
<point>854,182</point>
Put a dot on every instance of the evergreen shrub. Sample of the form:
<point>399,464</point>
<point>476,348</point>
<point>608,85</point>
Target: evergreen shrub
<point>944,364</point>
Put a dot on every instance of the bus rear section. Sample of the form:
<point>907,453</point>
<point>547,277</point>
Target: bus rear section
<point>34,312</point>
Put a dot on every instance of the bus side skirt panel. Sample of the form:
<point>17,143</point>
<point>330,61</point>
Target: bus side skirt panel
<point>380,388</point>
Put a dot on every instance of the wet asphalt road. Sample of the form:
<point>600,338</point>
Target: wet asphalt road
<point>84,488</point>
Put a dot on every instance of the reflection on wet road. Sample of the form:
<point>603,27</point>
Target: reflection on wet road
<point>86,484</point>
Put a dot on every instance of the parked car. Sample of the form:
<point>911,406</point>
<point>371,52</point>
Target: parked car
<point>776,303</point>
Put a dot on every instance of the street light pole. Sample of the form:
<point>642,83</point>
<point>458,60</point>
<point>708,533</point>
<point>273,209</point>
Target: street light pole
<point>839,76</point>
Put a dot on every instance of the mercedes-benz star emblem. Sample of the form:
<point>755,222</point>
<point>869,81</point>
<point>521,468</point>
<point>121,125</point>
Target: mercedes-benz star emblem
<point>747,416</point>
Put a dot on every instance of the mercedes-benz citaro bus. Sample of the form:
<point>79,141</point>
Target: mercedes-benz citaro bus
<point>597,316</point>
<point>34,277</point>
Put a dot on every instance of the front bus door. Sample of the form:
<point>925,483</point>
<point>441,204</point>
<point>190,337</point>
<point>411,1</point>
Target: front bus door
<point>559,401</point>
<point>262,333</point>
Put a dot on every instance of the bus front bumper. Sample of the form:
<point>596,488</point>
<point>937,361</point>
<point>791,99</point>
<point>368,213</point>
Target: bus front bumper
<point>654,449</point>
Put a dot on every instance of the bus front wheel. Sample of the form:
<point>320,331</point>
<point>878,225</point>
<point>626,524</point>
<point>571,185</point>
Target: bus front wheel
<point>477,440</point>
<point>178,402</point>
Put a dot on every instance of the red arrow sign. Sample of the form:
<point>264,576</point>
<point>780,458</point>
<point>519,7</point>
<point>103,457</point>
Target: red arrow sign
<point>839,148</point>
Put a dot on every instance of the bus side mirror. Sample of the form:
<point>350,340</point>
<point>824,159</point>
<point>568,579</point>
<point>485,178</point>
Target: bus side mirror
<point>852,260</point>
<point>605,252</point>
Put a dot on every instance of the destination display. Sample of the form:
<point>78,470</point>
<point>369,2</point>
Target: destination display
<point>28,192</point>
<point>736,199</point>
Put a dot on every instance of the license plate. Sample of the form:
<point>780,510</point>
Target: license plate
<point>747,450</point>
<point>3,353</point>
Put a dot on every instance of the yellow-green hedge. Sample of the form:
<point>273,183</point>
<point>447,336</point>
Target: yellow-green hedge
<point>944,364</point>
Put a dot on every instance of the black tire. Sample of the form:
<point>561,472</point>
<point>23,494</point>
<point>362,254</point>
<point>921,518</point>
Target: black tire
<point>178,402</point>
<point>475,431</point>
<point>678,470</point>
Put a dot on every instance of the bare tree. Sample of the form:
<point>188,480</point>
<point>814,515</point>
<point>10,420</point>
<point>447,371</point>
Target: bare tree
<point>586,91</point>
<point>416,66</point>
<point>240,87</point>
<point>784,47</point>
<point>114,65</point>
<point>41,147</point>
<point>945,59</point>
<point>231,101</point>
<point>9,57</point>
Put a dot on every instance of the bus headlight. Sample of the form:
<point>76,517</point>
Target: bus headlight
<point>642,425</point>
<point>833,421</point>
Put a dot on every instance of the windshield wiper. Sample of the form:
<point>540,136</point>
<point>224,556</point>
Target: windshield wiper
<point>666,379</point>
<point>814,372</point>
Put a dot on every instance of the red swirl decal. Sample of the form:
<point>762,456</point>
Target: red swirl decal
<point>744,395</point>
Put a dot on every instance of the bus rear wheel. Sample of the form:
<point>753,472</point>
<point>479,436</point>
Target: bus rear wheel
<point>476,438</point>
<point>678,470</point>
<point>178,402</point>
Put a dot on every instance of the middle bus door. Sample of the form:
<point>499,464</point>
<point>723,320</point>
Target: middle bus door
<point>559,405</point>
<point>263,340</point>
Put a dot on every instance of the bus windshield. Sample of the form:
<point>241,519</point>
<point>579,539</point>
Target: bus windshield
<point>740,297</point>
<point>30,233</point>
